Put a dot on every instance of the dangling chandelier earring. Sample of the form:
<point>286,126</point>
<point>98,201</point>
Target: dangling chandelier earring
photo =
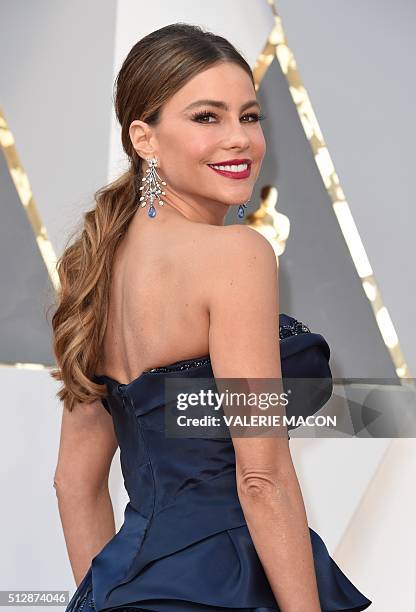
<point>241,210</point>
<point>152,187</point>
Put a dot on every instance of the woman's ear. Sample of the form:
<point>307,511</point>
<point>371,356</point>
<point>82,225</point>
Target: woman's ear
<point>140,135</point>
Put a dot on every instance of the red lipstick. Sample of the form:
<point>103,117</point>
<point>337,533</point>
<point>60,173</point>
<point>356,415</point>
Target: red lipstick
<point>230,173</point>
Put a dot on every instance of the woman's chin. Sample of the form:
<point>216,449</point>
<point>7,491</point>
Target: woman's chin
<point>232,198</point>
<point>235,199</point>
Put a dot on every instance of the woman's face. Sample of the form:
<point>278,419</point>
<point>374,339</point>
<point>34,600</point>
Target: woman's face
<point>193,135</point>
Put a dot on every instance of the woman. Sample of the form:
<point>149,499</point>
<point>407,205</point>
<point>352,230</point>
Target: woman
<point>157,284</point>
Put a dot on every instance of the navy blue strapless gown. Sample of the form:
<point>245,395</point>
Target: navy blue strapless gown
<point>184,544</point>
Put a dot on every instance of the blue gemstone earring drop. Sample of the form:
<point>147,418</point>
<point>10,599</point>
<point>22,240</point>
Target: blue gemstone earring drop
<point>152,189</point>
<point>241,210</point>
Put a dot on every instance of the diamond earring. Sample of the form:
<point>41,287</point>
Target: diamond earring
<point>152,188</point>
<point>241,210</point>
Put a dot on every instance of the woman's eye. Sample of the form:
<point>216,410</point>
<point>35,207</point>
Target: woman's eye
<point>201,116</point>
<point>255,117</point>
<point>252,117</point>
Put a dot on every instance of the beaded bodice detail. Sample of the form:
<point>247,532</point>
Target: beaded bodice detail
<point>292,329</point>
<point>184,364</point>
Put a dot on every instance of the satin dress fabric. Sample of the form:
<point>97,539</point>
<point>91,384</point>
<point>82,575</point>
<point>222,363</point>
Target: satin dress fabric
<point>184,545</point>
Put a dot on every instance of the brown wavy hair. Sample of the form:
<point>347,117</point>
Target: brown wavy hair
<point>156,67</point>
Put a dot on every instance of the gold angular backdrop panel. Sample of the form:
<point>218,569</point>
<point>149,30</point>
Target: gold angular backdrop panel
<point>29,279</point>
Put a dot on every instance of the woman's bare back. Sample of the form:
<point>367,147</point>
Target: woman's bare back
<point>158,312</point>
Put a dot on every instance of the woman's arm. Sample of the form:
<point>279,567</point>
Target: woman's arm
<point>244,343</point>
<point>87,447</point>
<point>273,506</point>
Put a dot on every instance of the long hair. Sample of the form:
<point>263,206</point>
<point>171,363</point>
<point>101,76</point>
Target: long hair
<point>156,67</point>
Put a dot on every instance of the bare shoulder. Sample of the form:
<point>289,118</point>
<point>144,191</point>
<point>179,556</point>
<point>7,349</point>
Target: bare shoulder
<point>235,249</point>
<point>241,261</point>
<point>243,303</point>
<point>231,239</point>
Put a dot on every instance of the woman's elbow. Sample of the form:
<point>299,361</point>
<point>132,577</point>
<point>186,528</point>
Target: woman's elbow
<point>257,489</point>
<point>78,485</point>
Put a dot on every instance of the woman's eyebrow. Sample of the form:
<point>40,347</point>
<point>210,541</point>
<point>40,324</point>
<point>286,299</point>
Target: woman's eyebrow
<point>221,104</point>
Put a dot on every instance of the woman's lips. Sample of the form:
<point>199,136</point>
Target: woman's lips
<point>234,175</point>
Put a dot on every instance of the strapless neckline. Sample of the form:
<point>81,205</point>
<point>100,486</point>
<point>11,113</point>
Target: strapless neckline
<point>288,326</point>
<point>176,366</point>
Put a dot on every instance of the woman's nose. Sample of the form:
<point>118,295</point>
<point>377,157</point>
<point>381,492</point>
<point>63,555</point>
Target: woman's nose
<point>237,135</point>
